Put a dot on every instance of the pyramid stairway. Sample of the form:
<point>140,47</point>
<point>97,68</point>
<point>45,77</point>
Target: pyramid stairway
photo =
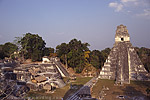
<point>123,63</point>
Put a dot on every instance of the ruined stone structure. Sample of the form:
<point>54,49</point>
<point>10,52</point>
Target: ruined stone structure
<point>123,63</point>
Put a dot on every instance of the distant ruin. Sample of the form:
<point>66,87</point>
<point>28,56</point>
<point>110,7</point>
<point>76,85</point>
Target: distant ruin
<point>123,63</point>
<point>16,81</point>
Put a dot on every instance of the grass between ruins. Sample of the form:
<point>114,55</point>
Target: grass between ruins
<point>60,92</point>
<point>134,89</point>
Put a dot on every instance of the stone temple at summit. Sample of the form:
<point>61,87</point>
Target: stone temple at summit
<point>123,63</point>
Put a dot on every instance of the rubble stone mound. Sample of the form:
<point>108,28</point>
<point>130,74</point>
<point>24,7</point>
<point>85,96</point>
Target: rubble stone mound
<point>123,63</point>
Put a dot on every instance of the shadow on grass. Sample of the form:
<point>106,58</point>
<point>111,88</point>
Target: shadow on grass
<point>134,94</point>
<point>141,83</point>
<point>131,91</point>
<point>72,90</point>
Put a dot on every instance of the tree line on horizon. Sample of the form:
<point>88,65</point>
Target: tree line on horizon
<point>74,54</point>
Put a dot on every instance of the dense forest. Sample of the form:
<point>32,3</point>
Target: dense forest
<point>77,55</point>
<point>74,54</point>
<point>144,54</point>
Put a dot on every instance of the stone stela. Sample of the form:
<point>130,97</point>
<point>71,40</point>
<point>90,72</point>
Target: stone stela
<point>123,63</point>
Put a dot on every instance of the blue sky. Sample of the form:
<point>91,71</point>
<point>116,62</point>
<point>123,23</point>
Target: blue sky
<point>92,21</point>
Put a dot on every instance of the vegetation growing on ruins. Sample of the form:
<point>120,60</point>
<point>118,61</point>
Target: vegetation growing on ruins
<point>74,54</point>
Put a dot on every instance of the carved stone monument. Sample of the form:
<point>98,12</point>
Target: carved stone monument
<point>123,63</point>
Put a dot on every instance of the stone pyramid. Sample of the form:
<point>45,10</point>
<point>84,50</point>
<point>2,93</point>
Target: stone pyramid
<point>123,63</point>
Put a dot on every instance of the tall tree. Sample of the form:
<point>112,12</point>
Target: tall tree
<point>76,55</point>
<point>1,52</point>
<point>105,53</point>
<point>48,51</point>
<point>17,42</point>
<point>144,55</point>
<point>33,46</point>
<point>72,54</point>
<point>9,48</point>
<point>62,51</point>
<point>95,58</point>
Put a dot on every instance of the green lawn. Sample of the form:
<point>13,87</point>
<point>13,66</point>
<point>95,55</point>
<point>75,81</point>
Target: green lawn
<point>135,88</point>
<point>60,92</point>
<point>81,80</point>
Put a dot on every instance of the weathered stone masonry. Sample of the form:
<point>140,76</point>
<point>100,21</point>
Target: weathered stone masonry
<point>123,63</point>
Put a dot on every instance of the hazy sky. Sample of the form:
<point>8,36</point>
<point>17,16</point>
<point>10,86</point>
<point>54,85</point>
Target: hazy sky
<point>92,21</point>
